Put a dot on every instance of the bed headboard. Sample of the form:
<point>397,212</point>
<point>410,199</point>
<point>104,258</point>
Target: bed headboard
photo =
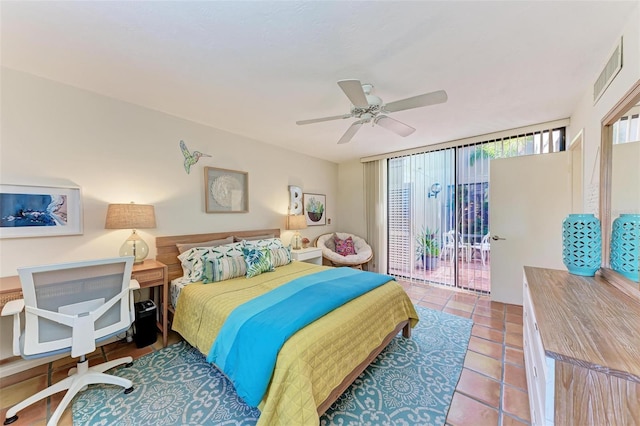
<point>167,252</point>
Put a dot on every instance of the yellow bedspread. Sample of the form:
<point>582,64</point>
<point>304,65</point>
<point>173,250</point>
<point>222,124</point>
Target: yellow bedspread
<point>313,361</point>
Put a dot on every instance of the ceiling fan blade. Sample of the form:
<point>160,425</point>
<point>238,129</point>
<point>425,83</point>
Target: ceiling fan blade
<point>394,125</point>
<point>351,131</point>
<point>417,101</point>
<point>319,120</point>
<point>353,90</point>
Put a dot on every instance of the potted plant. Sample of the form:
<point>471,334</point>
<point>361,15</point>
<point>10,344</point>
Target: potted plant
<point>428,248</point>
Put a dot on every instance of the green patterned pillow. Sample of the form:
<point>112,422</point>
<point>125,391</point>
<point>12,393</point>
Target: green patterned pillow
<point>281,256</point>
<point>223,268</point>
<point>258,260</point>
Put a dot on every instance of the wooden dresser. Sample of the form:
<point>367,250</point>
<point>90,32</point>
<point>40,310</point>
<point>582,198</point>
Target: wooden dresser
<point>582,349</point>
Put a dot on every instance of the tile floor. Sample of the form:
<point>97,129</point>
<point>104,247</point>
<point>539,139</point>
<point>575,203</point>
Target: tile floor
<point>492,389</point>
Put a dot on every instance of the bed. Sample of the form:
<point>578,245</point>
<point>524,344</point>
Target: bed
<point>319,362</point>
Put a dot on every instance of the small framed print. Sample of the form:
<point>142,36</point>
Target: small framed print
<point>315,209</point>
<point>40,211</point>
<point>226,191</point>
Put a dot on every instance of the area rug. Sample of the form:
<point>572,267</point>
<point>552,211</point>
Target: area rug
<point>411,382</point>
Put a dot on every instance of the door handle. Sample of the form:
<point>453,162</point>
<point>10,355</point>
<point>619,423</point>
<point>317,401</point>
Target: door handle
<point>497,237</point>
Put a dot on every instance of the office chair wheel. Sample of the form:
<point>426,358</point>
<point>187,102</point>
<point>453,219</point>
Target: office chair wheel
<point>128,364</point>
<point>128,390</point>
<point>10,420</point>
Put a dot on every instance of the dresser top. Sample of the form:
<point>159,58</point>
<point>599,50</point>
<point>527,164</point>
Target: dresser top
<point>586,321</point>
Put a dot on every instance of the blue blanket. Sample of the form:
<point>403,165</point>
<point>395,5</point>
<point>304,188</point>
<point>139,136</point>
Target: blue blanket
<point>248,343</point>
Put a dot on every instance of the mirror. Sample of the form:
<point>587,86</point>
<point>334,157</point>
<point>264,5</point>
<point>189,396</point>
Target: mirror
<point>619,190</point>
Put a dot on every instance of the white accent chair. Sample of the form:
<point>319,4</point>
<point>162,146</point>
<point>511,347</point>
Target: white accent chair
<point>68,308</point>
<point>364,253</point>
<point>449,247</point>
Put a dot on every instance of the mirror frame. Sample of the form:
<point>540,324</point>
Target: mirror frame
<point>630,99</point>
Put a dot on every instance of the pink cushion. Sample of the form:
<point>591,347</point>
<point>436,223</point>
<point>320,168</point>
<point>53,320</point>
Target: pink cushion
<point>345,247</point>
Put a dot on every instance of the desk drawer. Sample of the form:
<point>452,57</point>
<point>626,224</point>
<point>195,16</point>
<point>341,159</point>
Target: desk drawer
<point>147,278</point>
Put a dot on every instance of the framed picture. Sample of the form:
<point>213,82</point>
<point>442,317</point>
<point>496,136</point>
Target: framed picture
<point>226,191</point>
<point>315,208</point>
<point>40,211</point>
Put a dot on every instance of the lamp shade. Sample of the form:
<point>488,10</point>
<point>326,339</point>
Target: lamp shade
<point>130,216</point>
<point>296,222</point>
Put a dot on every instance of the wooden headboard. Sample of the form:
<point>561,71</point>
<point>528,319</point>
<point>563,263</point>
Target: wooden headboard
<point>167,252</point>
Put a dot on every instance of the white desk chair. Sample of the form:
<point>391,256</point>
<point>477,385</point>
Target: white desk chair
<point>68,308</point>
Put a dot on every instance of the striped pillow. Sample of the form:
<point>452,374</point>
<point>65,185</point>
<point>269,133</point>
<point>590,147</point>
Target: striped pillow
<point>223,268</point>
<point>281,256</point>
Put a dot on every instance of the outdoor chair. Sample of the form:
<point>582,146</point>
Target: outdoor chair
<point>68,308</point>
<point>484,247</point>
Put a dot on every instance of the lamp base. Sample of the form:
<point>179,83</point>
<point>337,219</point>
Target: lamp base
<point>136,247</point>
<point>296,241</point>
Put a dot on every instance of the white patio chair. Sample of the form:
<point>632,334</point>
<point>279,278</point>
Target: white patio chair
<point>484,247</point>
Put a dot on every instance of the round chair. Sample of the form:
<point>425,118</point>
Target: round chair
<point>327,243</point>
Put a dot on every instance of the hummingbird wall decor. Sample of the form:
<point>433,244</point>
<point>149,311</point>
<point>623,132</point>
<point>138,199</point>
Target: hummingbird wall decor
<point>190,158</point>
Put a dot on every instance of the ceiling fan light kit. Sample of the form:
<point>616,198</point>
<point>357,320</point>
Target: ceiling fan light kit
<point>369,108</point>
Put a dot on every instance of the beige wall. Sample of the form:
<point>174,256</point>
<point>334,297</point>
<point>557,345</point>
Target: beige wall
<point>350,207</point>
<point>118,152</point>
<point>588,116</point>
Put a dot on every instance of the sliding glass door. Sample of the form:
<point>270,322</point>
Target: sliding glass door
<point>438,209</point>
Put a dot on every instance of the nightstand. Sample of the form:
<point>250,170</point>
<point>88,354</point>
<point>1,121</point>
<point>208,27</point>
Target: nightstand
<point>309,255</point>
<point>151,274</point>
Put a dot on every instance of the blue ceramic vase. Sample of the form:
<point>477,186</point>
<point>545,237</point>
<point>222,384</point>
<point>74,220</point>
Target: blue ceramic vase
<point>625,238</point>
<point>582,244</point>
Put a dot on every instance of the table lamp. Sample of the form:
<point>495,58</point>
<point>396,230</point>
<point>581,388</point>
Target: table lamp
<point>296,222</point>
<point>132,216</point>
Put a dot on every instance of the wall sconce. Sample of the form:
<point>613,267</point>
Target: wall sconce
<point>132,216</point>
<point>435,190</point>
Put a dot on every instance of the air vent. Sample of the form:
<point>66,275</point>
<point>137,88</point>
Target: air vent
<point>613,67</point>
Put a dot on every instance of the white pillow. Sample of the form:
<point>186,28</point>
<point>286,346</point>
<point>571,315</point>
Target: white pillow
<point>193,259</point>
<point>270,243</point>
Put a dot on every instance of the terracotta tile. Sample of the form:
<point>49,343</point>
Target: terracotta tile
<point>24,375</point>
<point>488,322</point>
<point>511,328</point>
<point>514,309</point>
<point>515,376</point>
<point>486,347</point>
<point>487,333</point>
<point>419,290</point>
<point>484,364</point>
<point>488,312</point>
<point>516,402</point>
<point>20,391</point>
<point>435,299</point>
<point>430,305</point>
<point>461,306</point>
<point>514,340</point>
<point>465,411</point>
<point>479,387</point>
<point>467,298</point>
<point>514,318</point>
<point>510,421</point>
<point>413,295</point>
<point>514,356</point>
<point>457,312</point>
<point>35,414</point>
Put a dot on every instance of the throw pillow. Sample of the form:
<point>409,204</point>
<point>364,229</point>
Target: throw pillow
<point>223,268</point>
<point>193,263</point>
<point>258,260</point>
<point>345,247</point>
<point>270,243</point>
<point>281,256</point>
<point>213,243</point>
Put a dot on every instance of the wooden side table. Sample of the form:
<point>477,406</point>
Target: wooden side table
<point>151,274</point>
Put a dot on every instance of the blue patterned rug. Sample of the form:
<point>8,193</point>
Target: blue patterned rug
<point>411,382</point>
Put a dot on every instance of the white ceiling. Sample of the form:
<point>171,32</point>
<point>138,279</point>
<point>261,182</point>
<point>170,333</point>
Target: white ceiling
<point>254,68</point>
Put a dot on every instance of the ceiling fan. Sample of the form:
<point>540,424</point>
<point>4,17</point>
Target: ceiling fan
<point>369,108</point>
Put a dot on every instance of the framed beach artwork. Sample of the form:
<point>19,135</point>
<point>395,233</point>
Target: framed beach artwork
<point>39,211</point>
<point>315,209</point>
<point>226,191</point>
